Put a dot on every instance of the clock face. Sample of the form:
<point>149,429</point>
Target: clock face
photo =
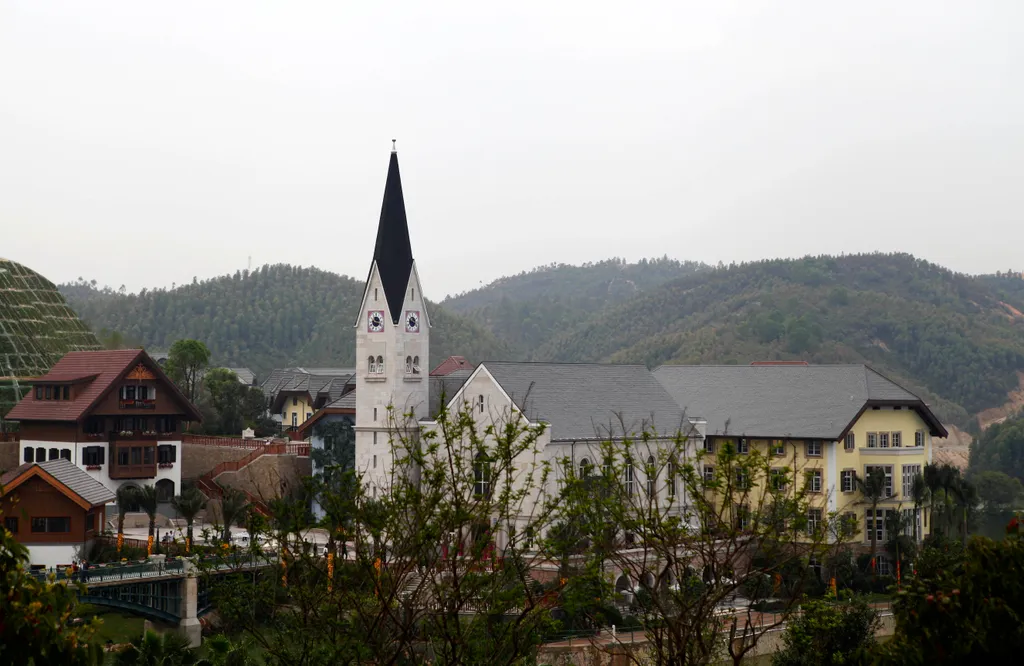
<point>412,321</point>
<point>375,321</point>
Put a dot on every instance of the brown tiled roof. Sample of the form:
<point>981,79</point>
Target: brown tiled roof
<point>450,365</point>
<point>107,367</point>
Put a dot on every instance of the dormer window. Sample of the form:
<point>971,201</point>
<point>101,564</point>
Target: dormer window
<point>53,392</point>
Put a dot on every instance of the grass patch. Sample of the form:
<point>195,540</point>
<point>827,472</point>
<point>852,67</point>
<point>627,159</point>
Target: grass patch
<point>117,627</point>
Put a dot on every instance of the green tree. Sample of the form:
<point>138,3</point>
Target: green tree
<point>872,487</point>
<point>158,649</point>
<point>37,616</point>
<point>188,505</point>
<point>1000,447</point>
<point>961,609</point>
<point>186,361</point>
<point>126,499</point>
<point>148,501</point>
<point>233,506</point>
<point>828,634</point>
<point>997,491</point>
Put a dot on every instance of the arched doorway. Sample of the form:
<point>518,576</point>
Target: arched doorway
<point>164,490</point>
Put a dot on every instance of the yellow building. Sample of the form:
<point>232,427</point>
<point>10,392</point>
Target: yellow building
<point>297,393</point>
<point>826,424</point>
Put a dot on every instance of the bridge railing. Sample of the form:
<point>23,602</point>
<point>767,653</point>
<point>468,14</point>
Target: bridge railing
<point>117,572</point>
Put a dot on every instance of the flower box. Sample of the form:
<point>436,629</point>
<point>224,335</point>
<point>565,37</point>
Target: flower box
<point>93,468</point>
<point>165,465</point>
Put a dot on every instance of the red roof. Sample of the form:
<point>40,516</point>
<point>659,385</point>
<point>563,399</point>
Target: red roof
<point>450,365</point>
<point>107,367</point>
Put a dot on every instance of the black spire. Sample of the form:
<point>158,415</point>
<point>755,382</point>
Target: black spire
<point>393,251</point>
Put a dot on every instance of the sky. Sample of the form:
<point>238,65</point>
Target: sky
<point>144,144</point>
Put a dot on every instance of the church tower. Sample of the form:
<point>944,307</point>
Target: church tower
<point>392,341</point>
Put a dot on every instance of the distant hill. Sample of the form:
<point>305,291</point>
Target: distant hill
<point>529,309</point>
<point>272,317</point>
<point>956,340</point>
<point>36,329</point>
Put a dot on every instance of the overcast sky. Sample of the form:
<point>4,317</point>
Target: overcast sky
<point>146,143</point>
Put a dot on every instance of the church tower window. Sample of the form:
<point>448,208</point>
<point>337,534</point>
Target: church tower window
<point>408,365</point>
<point>415,365</point>
<point>380,365</point>
<point>371,366</point>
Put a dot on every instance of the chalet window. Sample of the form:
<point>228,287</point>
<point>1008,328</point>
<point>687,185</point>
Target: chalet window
<point>814,480</point>
<point>849,442</point>
<point>123,455</point>
<point>90,522</point>
<point>49,393</point>
<point>166,424</point>
<point>147,455</point>
<point>919,438</point>
<point>897,439</point>
<point>167,453</point>
<point>11,524</point>
<point>846,481</point>
<point>65,393</point>
<point>54,454</point>
<point>93,455</point>
<point>39,393</point>
<point>778,447</point>
<point>136,455</point>
<point>55,525</point>
<point>66,454</point>
<point>30,454</point>
<point>813,449</point>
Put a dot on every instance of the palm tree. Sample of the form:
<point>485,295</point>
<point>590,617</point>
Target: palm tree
<point>919,493</point>
<point>872,487</point>
<point>188,504</point>
<point>148,501</point>
<point>153,649</point>
<point>126,498</point>
<point>933,481</point>
<point>232,507</point>
<point>965,496</point>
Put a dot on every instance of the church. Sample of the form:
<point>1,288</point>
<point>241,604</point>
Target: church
<point>580,405</point>
<point>833,423</point>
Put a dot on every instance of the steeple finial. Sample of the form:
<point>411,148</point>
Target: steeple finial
<point>394,145</point>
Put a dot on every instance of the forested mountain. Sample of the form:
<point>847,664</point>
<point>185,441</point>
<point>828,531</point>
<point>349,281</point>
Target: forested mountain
<point>272,317</point>
<point>528,309</point>
<point>956,340</point>
<point>953,338</point>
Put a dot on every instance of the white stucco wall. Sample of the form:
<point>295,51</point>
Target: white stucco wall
<point>52,554</point>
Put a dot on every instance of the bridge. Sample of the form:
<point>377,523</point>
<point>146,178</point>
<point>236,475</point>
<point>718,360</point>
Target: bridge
<point>169,591</point>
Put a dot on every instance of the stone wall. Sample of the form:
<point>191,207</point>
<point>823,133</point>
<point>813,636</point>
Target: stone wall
<point>269,476</point>
<point>9,455</point>
<point>198,459</point>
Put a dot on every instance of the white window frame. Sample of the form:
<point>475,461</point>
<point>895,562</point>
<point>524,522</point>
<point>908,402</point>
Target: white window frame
<point>887,469</point>
<point>907,475</point>
<point>652,477</point>
<point>778,447</point>
<point>879,525</point>
<point>847,480</point>
<point>742,446</point>
<point>883,440</point>
<point>814,479</point>
<point>872,442</point>
<point>849,442</point>
<point>778,478</point>
<point>813,520</point>
<point>630,478</point>
<point>709,473</point>
<point>896,439</point>
<point>812,445</point>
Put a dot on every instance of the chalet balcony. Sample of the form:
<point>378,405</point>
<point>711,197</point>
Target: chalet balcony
<point>133,460</point>
<point>137,404</point>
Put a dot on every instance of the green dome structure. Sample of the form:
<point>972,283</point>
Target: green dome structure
<point>36,329</point>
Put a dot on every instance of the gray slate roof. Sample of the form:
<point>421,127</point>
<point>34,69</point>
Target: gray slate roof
<point>347,401</point>
<point>812,401</point>
<point>446,385</point>
<point>245,375</point>
<point>75,478</point>
<point>589,400</point>
<point>329,381</point>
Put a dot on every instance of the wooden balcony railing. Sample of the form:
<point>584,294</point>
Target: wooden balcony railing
<point>133,471</point>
